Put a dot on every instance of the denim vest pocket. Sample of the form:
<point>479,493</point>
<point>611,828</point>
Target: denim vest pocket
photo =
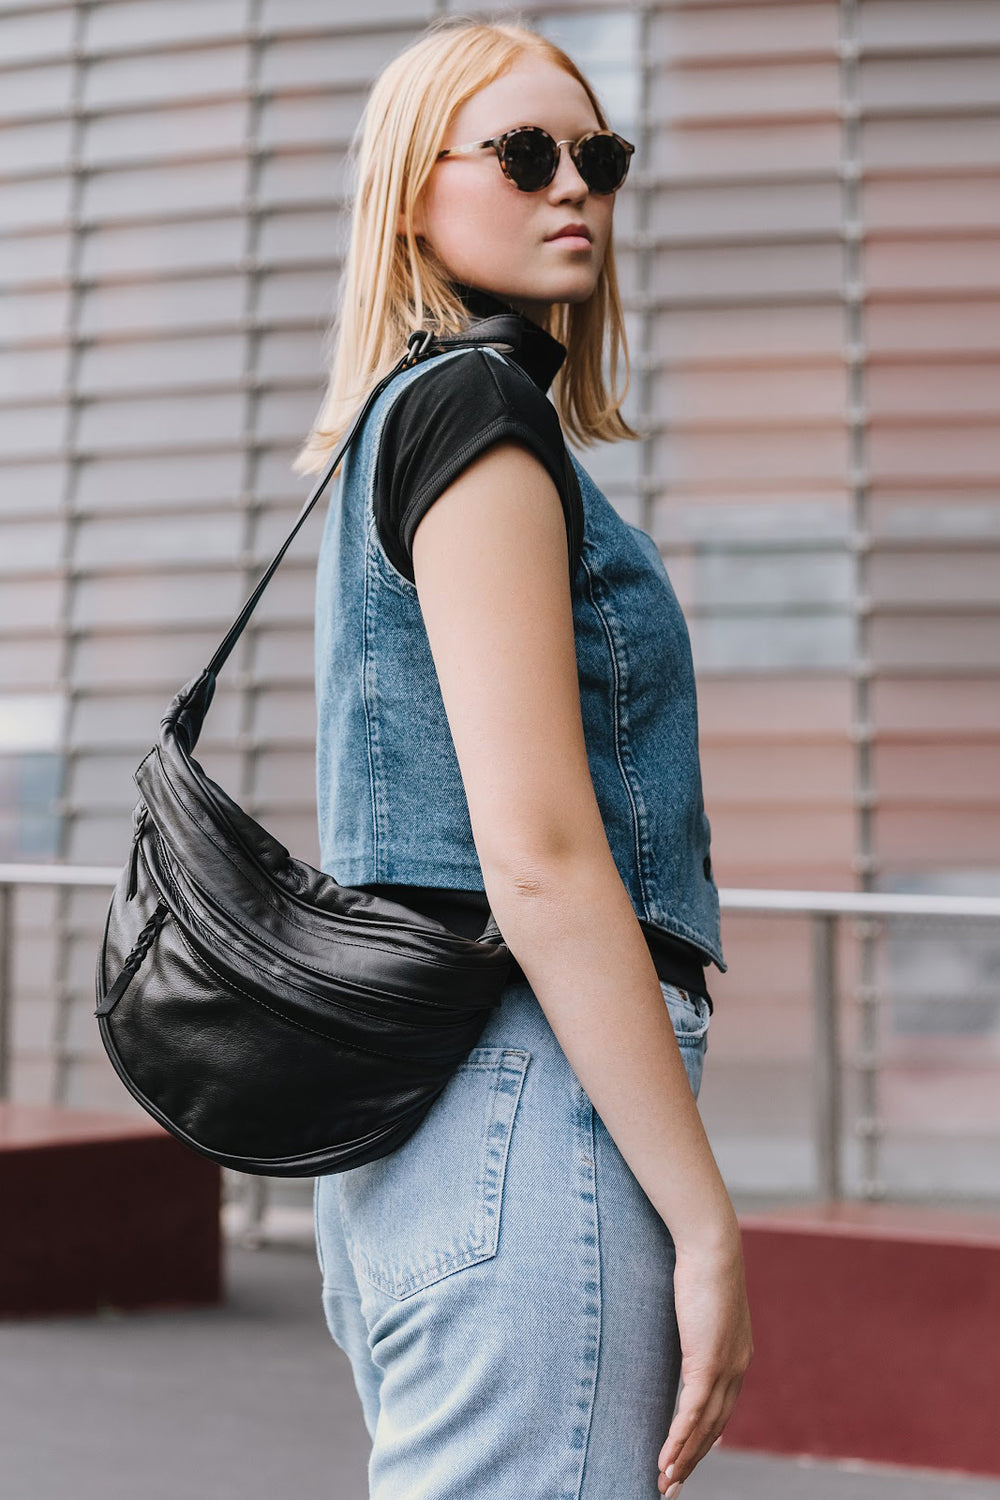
<point>432,1206</point>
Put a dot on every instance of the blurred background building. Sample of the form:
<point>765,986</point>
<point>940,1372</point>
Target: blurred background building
<point>809,251</point>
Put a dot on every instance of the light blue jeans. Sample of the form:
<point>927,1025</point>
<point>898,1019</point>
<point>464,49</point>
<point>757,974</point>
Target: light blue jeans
<point>502,1286</point>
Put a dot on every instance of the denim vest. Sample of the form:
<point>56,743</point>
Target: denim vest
<point>390,799</point>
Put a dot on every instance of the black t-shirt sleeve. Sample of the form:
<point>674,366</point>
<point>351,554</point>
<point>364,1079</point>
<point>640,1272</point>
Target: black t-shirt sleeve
<point>439,423</point>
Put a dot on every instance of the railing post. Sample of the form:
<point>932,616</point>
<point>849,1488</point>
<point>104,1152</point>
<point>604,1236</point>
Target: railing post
<point>6,971</point>
<point>256,1199</point>
<point>826,1056</point>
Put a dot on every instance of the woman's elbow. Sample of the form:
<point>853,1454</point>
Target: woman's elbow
<point>533,857</point>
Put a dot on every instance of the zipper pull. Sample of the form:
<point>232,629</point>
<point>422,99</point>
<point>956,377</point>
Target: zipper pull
<point>133,859</point>
<point>134,961</point>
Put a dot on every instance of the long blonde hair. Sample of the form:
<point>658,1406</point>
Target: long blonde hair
<point>393,283</point>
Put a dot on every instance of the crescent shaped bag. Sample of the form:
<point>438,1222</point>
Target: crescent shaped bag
<point>270,1018</point>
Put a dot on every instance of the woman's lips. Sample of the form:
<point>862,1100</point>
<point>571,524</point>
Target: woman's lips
<point>571,241</point>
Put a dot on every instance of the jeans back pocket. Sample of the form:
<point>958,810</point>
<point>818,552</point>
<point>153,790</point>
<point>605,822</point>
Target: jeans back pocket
<point>432,1206</point>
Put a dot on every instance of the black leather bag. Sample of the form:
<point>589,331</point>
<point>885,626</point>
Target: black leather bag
<point>270,1018</point>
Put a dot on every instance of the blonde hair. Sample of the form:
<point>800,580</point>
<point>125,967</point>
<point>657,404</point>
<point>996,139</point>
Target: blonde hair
<point>393,283</point>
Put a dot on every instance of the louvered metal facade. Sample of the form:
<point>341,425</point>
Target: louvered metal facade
<point>809,246</point>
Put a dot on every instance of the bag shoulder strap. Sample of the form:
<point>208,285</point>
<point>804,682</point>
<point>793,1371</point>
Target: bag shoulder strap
<point>503,331</point>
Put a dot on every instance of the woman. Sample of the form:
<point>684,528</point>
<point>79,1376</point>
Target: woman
<point>507,720</point>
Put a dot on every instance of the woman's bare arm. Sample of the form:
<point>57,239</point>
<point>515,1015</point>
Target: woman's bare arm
<point>490,565</point>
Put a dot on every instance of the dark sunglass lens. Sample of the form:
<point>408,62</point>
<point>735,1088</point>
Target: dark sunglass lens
<point>530,156</point>
<point>603,163</point>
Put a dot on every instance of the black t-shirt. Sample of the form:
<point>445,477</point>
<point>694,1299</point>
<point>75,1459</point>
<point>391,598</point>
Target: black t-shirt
<point>460,407</point>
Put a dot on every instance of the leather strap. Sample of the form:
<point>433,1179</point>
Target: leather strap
<point>503,331</point>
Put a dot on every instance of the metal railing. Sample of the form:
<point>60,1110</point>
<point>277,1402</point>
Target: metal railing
<point>825,909</point>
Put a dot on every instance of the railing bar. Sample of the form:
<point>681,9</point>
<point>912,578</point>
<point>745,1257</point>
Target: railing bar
<point>731,898</point>
<point>6,971</point>
<point>826,1057</point>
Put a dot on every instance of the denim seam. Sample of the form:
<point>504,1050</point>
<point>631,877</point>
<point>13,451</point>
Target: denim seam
<point>376,777</point>
<point>640,838</point>
<point>589,1262</point>
<point>509,1083</point>
<point>370,719</point>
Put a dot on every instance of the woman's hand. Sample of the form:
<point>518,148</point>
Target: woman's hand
<point>713,1319</point>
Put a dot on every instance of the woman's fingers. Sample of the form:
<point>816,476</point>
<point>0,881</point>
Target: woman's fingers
<point>696,1428</point>
<point>713,1320</point>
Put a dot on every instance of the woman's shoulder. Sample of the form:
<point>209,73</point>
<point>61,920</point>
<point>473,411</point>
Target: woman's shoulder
<point>459,405</point>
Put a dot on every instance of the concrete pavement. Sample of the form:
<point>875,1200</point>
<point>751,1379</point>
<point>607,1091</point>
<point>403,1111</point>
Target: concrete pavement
<point>253,1401</point>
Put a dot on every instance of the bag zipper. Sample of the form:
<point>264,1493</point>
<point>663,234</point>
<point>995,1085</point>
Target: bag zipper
<point>301,977</point>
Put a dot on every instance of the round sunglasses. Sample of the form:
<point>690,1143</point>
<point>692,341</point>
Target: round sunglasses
<point>529,156</point>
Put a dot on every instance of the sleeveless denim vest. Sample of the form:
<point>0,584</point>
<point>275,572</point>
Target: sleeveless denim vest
<point>390,799</point>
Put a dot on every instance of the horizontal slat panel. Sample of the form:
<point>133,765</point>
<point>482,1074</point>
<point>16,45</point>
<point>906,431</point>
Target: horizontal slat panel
<point>957,513</point>
<point>807,250</point>
<point>707,152</point>
<point>149,23</point>
<point>931,451</point>
<point>753,336</point>
<point>937,775</point>
<point>212,596</point>
<point>958,203</point>
<point>161,134</point>
<point>930,646</point>
<point>907,325</point>
<point>43,89</point>
<point>927,24</point>
<point>746,272</point>
<point>771,397</point>
<point>787,772</point>
<point>165,77</point>
<point>703,35</point>
<point>921,85</point>
<point>762,644</point>
<point>915,837</point>
<point>918,144</point>
<point>29,36</point>
<point>937,388</point>
<point>768,211</point>
<point>954,707</point>
<point>789,709</point>
<point>117,483</point>
<point>809,838</point>
<point>964,579</point>
<point>750,458</point>
<point>165,190</point>
<point>808,89</point>
<point>933,265</point>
